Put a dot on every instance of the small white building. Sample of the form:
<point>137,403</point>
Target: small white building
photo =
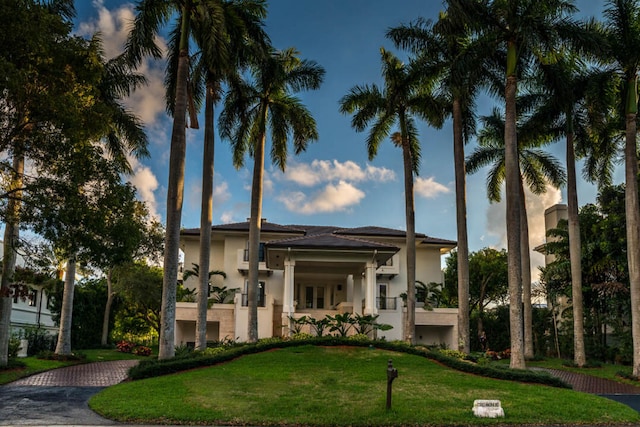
<point>316,271</point>
<point>32,311</point>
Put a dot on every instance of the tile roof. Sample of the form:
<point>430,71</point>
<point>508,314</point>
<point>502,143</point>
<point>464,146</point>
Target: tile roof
<point>328,240</point>
<point>325,235</point>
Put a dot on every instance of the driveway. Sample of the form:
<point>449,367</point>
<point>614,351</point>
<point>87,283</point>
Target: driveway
<point>60,396</point>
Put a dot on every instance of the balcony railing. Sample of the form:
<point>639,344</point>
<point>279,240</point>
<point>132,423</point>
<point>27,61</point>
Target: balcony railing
<point>245,300</point>
<point>386,303</point>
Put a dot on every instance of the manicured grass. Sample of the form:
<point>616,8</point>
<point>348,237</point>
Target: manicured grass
<point>105,355</point>
<point>326,386</point>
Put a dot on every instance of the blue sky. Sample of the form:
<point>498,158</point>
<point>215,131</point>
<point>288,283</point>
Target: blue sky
<point>333,182</point>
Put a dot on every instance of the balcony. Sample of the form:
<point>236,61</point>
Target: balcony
<point>243,262</point>
<point>390,268</point>
<point>386,303</point>
<point>261,300</point>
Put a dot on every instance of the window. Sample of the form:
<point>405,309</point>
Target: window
<point>260,252</point>
<point>261,294</point>
<point>383,300</point>
<point>32,298</point>
<point>314,297</point>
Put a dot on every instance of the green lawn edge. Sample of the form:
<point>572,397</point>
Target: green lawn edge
<point>429,394</point>
<point>153,368</point>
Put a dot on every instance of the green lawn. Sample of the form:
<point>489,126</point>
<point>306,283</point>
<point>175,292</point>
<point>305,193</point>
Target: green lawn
<point>343,386</point>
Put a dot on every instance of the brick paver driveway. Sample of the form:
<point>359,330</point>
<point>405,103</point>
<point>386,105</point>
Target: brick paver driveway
<point>59,397</point>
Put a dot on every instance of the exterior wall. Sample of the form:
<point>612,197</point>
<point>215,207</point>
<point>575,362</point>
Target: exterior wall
<point>220,322</point>
<point>437,327</point>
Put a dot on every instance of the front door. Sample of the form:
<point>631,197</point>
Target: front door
<point>314,296</point>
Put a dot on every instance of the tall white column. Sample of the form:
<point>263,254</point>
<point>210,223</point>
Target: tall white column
<point>370,289</point>
<point>287,299</point>
<point>357,294</point>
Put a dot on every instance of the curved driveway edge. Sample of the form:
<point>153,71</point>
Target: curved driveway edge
<point>60,396</point>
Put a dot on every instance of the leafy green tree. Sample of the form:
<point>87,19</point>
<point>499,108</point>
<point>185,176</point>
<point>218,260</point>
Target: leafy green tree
<point>249,109</point>
<point>488,282</point>
<point>88,305</point>
<point>59,95</point>
<point>519,31</point>
<point>405,94</point>
<point>140,287</point>
<point>446,48</point>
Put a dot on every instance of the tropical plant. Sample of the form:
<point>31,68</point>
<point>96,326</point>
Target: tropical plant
<point>446,48</point>
<point>536,167</point>
<point>519,32</point>
<point>228,41</point>
<point>577,98</point>
<point>341,323</point>
<point>621,23</point>
<point>406,93</point>
<point>251,108</point>
<point>151,15</point>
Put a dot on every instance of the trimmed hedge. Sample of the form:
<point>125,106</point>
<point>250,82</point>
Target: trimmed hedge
<point>153,368</point>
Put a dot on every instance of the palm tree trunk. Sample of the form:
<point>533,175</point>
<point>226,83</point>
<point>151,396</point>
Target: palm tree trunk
<point>410,320</point>
<point>525,254</point>
<point>632,211</point>
<point>575,254</point>
<point>107,309</point>
<point>255,226</point>
<point>464,342</point>
<point>11,236</point>
<point>175,193</point>
<point>66,314</point>
<point>206,214</point>
<point>512,178</point>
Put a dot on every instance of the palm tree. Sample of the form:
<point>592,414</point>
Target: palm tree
<point>251,107</point>
<point>537,169</point>
<point>447,49</point>
<point>574,97</point>
<point>517,29</point>
<point>622,20</point>
<point>227,42</point>
<point>150,16</point>
<point>405,94</point>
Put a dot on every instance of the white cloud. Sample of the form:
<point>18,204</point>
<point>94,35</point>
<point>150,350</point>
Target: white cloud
<point>319,171</point>
<point>114,25</point>
<point>536,205</point>
<point>333,198</point>
<point>146,184</point>
<point>227,217</point>
<point>429,188</point>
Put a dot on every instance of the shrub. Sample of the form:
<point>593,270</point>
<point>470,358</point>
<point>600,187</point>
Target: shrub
<point>73,357</point>
<point>125,346</point>
<point>301,336</point>
<point>14,347</point>
<point>39,340</point>
<point>142,350</point>
<point>454,353</point>
<point>359,337</point>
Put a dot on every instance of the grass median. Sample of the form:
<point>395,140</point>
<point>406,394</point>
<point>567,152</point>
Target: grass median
<point>327,386</point>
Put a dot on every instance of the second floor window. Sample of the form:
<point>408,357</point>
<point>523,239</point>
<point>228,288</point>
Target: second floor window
<point>260,252</point>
